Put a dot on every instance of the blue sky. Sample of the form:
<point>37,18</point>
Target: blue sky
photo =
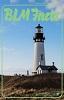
<point>18,42</point>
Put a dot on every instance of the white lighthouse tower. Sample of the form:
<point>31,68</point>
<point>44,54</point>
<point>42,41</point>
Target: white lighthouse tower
<point>39,52</point>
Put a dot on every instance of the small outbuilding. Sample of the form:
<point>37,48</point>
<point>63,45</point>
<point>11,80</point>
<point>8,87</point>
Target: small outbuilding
<point>46,69</point>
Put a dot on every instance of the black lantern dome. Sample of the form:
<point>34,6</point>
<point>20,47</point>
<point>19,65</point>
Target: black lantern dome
<point>39,34</point>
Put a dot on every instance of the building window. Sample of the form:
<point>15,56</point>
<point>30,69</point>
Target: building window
<point>40,71</point>
<point>41,56</point>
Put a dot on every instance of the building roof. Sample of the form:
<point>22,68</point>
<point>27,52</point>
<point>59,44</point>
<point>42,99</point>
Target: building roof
<point>47,67</point>
<point>39,26</point>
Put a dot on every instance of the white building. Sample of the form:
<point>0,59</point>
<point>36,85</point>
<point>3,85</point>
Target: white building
<point>39,65</point>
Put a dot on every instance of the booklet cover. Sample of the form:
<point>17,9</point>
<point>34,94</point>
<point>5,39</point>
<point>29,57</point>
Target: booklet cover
<point>31,49</point>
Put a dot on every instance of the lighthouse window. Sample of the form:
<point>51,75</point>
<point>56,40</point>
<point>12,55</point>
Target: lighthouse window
<point>41,56</point>
<point>39,30</point>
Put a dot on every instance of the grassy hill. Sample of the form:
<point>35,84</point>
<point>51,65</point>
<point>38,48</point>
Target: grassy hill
<point>46,85</point>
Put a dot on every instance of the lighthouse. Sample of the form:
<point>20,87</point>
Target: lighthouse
<point>39,65</point>
<point>39,52</point>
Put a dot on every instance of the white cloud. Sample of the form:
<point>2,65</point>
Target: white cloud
<point>54,5</point>
<point>57,6</point>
